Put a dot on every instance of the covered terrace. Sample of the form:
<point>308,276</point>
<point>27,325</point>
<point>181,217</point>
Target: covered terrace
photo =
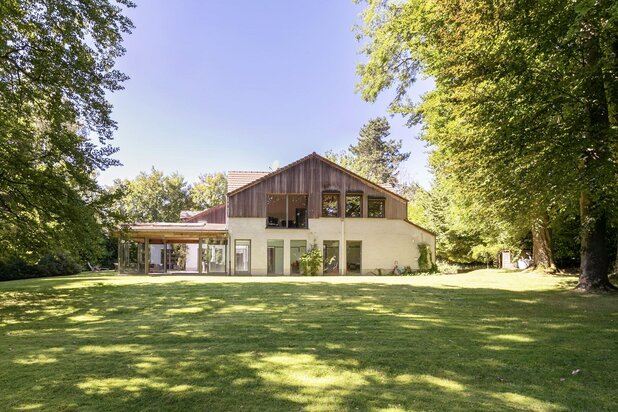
<point>147,248</point>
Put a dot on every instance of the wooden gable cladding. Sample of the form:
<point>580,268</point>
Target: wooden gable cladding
<point>312,175</point>
<point>215,214</point>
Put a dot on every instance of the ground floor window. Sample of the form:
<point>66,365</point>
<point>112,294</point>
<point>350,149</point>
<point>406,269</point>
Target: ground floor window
<point>243,256</point>
<point>274,257</point>
<point>330,255</point>
<point>214,256</point>
<point>353,253</point>
<point>132,256</point>
<point>297,249</point>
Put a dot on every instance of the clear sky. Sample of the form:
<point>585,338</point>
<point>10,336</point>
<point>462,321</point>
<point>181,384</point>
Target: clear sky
<point>236,85</point>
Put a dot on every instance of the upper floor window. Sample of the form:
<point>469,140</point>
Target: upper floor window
<point>330,204</point>
<point>376,207</point>
<point>353,205</point>
<point>286,211</point>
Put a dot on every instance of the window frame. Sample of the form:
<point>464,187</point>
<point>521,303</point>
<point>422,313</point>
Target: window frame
<point>287,210</point>
<point>376,198</point>
<point>354,194</point>
<point>331,193</point>
<point>236,271</point>
<point>291,262</point>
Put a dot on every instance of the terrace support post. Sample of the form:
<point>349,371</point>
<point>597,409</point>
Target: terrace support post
<point>164,256</point>
<point>120,254</point>
<point>146,256</point>
<point>200,256</point>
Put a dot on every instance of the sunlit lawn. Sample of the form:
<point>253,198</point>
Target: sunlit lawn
<point>485,340</point>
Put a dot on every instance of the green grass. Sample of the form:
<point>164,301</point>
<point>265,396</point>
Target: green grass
<point>485,340</point>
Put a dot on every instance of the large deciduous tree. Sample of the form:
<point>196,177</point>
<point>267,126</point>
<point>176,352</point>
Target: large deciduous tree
<point>210,190</point>
<point>522,115</point>
<point>152,197</point>
<point>56,67</point>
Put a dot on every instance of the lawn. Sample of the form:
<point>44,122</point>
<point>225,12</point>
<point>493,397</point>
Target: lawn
<point>486,340</point>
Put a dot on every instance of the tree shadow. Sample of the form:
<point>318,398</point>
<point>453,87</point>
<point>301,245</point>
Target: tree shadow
<point>302,346</point>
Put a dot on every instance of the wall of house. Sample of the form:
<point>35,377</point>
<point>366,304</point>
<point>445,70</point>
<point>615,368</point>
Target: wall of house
<point>385,242</point>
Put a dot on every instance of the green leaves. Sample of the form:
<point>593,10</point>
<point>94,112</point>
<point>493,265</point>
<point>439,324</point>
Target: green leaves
<point>517,118</point>
<point>56,67</point>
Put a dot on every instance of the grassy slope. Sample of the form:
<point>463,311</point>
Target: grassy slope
<point>485,340</point>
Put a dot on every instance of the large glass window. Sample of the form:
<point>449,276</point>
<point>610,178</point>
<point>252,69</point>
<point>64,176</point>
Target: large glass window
<point>353,205</point>
<point>330,254</point>
<point>214,258</point>
<point>286,211</point>
<point>297,249</point>
<point>274,257</point>
<point>376,207</point>
<point>243,256</point>
<point>276,211</point>
<point>353,254</point>
<point>330,204</point>
<point>297,211</point>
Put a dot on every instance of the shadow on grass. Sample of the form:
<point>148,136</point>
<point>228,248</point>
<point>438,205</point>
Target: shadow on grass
<point>303,346</point>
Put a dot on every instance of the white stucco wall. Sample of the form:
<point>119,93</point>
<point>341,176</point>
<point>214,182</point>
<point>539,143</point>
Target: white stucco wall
<point>385,242</point>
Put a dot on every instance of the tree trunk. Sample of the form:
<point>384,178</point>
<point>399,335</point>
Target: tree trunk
<point>596,161</point>
<point>594,252</point>
<point>542,255</point>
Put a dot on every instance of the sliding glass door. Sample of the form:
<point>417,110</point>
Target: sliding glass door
<point>243,257</point>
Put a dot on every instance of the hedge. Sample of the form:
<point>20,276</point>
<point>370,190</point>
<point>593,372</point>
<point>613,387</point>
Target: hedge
<point>51,265</point>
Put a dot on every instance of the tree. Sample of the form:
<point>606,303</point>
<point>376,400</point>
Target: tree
<point>377,158</point>
<point>152,197</point>
<point>373,156</point>
<point>520,116</point>
<point>210,190</point>
<point>56,67</point>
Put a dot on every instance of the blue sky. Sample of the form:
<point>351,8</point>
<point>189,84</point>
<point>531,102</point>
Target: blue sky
<point>236,85</point>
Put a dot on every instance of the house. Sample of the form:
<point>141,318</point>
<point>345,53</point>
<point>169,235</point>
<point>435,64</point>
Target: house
<point>271,218</point>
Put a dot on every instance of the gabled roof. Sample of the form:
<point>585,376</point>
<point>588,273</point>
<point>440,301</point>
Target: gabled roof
<point>238,179</point>
<point>313,155</point>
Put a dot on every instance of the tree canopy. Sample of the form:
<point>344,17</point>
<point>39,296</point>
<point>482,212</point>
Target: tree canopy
<point>210,190</point>
<point>56,69</point>
<point>521,116</point>
<point>373,156</point>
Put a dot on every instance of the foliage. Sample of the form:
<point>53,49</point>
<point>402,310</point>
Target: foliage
<point>373,157</point>
<point>522,111</point>
<point>49,265</point>
<point>344,159</point>
<point>153,197</point>
<point>488,253</point>
<point>311,261</point>
<point>424,257</point>
<point>56,70</point>
<point>210,190</point>
<point>376,157</point>
<point>476,341</point>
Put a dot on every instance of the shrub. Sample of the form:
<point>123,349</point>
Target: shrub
<point>58,265</point>
<point>51,265</point>
<point>311,261</point>
<point>425,263</point>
